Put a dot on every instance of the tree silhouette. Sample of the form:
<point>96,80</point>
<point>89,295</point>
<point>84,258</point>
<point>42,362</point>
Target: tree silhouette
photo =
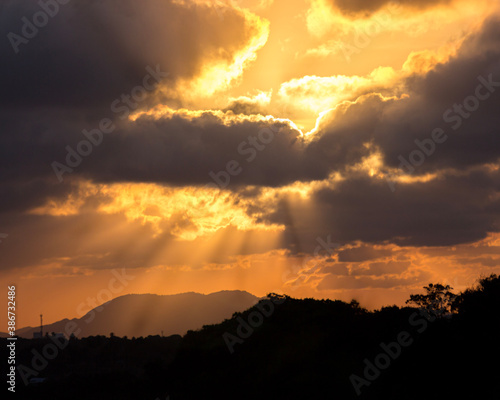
<point>481,300</point>
<point>437,300</point>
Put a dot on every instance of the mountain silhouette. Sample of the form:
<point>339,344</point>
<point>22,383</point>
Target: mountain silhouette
<point>150,314</point>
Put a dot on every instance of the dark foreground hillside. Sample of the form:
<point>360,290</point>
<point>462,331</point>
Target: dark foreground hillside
<point>285,348</point>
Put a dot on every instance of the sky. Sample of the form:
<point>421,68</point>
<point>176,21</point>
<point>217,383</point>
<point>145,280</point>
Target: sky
<point>319,148</point>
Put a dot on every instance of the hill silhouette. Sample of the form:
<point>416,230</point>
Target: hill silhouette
<point>150,314</point>
<point>286,348</point>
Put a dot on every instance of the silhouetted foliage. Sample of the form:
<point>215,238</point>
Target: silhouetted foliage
<point>302,349</point>
<point>437,300</point>
<point>480,300</point>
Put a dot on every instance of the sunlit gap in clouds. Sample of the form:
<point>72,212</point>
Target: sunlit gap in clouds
<point>304,99</point>
<point>186,226</point>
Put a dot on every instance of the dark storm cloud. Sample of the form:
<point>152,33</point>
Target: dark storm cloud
<point>362,253</point>
<point>446,211</point>
<point>338,269</point>
<point>175,151</point>
<point>366,7</point>
<point>383,268</point>
<point>464,251</point>
<point>179,151</point>
<point>19,196</point>
<point>93,51</point>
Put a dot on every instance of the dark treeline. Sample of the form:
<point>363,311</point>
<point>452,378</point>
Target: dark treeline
<point>441,345</point>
